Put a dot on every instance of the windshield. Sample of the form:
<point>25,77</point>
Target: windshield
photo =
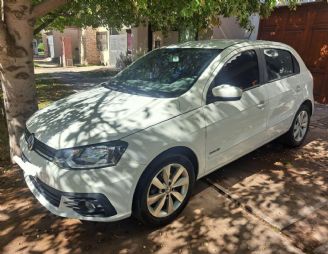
<point>167,72</point>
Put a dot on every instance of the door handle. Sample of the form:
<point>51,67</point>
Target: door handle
<point>261,105</point>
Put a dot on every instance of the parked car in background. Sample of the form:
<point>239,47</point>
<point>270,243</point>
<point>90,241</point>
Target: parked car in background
<point>136,145</point>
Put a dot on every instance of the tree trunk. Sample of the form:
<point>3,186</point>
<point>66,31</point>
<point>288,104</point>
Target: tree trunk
<point>16,68</point>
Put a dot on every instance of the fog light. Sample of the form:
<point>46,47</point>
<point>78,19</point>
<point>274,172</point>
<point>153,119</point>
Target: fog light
<point>89,206</point>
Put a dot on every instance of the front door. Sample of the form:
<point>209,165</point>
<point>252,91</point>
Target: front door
<point>234,128</point>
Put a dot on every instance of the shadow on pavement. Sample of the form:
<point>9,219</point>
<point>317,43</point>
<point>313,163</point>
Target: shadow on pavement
<point>279,183</point>
<point>287,188</point>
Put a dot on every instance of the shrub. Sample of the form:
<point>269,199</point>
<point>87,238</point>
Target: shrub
<point>123,61</point>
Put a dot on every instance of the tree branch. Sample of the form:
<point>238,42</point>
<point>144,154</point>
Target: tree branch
<point>47,6</point>
<point>44,25</point>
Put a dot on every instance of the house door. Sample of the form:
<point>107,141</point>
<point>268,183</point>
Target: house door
<point>306,30</point>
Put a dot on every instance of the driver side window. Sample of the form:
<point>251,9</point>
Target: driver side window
<point>241,70</point>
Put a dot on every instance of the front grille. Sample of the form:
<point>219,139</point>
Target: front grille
<point>41,148</point>
<point>52,195</point>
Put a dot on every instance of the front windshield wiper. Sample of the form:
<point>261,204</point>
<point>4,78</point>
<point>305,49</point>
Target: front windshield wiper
<point>110,85</point>
<point>116,87</point>
<point>122,87</point>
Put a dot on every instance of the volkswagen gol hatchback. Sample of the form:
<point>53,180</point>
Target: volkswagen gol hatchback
<point>137,144</point>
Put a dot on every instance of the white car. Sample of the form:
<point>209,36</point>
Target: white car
<point>137,144</point>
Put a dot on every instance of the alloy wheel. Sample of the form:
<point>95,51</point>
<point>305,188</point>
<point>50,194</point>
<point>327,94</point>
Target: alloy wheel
<point>168,190</point>
<point>300,126</point>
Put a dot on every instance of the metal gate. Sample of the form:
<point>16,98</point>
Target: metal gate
<point>117,47</point>
<point>306,30</point>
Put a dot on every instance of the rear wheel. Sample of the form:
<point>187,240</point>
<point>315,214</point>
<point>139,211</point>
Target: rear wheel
<point>164,190</point>
<point>299,129</point>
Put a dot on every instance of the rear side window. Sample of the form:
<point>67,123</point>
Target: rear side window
<point>280,63</point>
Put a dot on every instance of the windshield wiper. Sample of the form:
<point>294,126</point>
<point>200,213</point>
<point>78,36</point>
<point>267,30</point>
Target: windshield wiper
<point>116,87</point>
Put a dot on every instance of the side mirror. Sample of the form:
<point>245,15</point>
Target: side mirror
<point>227,93</point>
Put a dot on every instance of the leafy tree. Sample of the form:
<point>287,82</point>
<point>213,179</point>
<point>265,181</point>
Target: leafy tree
<point>191,16</point>
<point>20,19</point>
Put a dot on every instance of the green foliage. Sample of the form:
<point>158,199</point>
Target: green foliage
<point>200,14</point>
<point>163,15</point>
<point>41,47</point>
<point>95,13</point>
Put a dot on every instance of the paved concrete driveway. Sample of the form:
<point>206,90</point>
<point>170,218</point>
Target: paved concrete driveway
<point>273,200</point>
<point>286,188</point>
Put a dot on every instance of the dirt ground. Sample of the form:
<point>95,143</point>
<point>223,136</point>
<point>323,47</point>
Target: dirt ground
<point>274,200</point>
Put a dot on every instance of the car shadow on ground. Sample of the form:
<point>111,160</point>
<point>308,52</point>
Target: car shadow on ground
<point>206,225</point>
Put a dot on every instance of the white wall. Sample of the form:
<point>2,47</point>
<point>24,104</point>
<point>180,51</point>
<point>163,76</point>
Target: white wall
<point>105,55</point>
<point>230,29</point>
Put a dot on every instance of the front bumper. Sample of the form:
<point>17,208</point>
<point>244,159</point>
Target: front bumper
<point>84,204</point>
<point>89,202</point>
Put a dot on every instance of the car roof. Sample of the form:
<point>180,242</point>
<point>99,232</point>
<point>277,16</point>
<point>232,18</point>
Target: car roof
<point>222,43</point>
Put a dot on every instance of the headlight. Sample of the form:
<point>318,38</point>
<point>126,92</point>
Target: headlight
<point>91,156</point>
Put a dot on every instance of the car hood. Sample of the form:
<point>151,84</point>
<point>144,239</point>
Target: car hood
<point>98,115</point>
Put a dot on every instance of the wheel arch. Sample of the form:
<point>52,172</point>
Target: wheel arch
<point>308,103</point>
<point>183,150</point>
<point>186,151</point>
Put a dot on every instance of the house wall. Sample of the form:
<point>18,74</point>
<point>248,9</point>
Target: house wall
<point>84,41</point>
<point>228,29</point>
<point>89,52</point>
<point>139,40</point>
<point>57,45</point>
<point>69,32</point>
<point>165,39</point>
<point>45,43</point>
<point>104,55</point>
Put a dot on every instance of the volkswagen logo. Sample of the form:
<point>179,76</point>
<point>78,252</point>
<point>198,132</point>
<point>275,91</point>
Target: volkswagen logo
<point>30,142</point>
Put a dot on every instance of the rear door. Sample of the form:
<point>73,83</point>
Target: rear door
<point>283,88</point>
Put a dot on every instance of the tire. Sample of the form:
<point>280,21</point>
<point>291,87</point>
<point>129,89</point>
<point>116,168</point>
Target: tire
<point>301,122</point>
<point>147,192</point>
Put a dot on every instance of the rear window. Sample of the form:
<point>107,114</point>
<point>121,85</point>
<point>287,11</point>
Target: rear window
<point>280,63</point>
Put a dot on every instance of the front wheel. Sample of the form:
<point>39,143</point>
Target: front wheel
<point>164,190</point>
<point>299,129</point>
